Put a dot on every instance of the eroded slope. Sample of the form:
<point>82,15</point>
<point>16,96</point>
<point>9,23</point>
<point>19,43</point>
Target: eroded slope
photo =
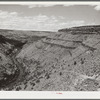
<point>65,60</point>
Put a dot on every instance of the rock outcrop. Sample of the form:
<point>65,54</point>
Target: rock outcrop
<point>67,60</point>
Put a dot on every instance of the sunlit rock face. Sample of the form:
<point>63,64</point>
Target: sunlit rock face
<point>67,60</point>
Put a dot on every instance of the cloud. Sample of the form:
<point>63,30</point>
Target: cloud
<point>97,7</point>
<point>42,5</point>
<point>49,5</point>
<point>13,20</point>
<point>5,14</point>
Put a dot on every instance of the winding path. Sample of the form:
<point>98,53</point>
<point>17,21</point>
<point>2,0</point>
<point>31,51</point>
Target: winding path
<point>16,77</point>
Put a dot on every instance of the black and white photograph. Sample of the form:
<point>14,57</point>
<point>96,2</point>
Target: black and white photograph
<point>50,46</point>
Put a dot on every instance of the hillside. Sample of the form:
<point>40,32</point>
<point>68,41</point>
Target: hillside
<point>67,60</point>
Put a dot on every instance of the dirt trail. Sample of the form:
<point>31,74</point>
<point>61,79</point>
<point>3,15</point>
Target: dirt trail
<point>16,77</point>
<point>20,71</point>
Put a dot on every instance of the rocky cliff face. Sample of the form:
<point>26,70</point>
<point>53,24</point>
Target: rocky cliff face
<point>82,30</point>
<point>67,60</point>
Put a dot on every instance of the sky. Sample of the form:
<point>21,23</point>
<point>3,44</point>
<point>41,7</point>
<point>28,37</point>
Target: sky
<point>47,17</point>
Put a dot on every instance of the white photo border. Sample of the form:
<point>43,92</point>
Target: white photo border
<point>49,94</point>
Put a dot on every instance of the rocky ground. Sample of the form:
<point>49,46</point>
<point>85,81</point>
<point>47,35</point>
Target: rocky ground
<point>67,60</point>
